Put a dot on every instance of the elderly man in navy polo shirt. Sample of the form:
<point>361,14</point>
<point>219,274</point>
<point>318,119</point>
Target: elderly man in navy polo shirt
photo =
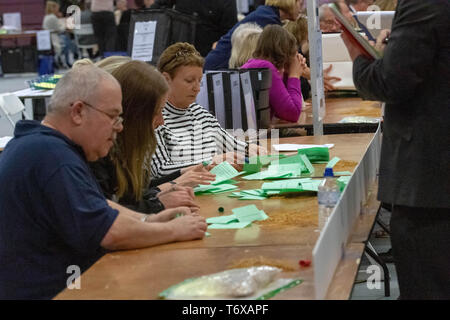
<point>53,215</point>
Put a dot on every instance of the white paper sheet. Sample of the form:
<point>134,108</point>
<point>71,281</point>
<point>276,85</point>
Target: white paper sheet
<point>143,41</point>
<point>295,147</point>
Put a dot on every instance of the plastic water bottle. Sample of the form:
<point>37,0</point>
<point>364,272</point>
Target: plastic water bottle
<point>328,195</point>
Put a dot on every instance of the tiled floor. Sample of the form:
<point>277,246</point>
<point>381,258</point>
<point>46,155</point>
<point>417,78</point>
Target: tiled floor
<point>361,290</point>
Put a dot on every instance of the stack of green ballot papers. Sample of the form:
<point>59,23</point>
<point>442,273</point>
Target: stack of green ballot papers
<point>255,194</point>
<point>242,217</point>
<point>289,167</point>
<point>292,185</point>
<point>227,185</point>
<point>316,154</point>
<point>256,163</point>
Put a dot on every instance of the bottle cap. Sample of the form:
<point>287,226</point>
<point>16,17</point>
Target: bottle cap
<point>328,172</point>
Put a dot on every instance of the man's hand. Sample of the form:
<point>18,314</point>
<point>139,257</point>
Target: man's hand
<point>382,40</point>
<point>169,214</point>
<point>188,227</point>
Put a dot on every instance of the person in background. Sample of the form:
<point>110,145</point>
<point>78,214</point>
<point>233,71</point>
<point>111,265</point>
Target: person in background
<point>61,219</point>
<point>61,42</point>
<point>413,79</point>
<point>85,18</point>
<point>121,7</point>
<point>386,5</point>
<point>143,4</point>
<point>243,44</point>
<point>299,29</point>
<point>215,18</point>
<point>327,21</point>
<point>104,25</point>
<point>273,12</point>
<point>190,134</point>
<point>277,50</point>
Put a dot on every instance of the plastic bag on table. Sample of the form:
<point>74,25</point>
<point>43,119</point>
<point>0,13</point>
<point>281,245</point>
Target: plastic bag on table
<point>244,283</point>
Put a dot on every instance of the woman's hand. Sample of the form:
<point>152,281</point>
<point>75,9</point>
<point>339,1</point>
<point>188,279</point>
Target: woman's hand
<point>195,175</point>
<point>178,196</point>
<point>236,159</point>
<point>296,66</point>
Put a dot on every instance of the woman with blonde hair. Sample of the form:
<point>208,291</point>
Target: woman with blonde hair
<point>273,12</point>
<point>243,43</point>
<point>61,42</point>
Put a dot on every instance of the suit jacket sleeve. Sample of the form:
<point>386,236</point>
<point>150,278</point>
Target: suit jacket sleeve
<point>407,59</point>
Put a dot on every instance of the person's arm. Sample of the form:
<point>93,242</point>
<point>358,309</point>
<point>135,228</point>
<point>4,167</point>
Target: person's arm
<point>407,59</point>
<point>285,100</point>
<point>164,179</point>
<point>129,231</point>
<point>162,163</point>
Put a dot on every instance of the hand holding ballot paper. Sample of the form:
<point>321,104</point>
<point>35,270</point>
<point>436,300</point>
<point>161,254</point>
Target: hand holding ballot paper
<point>356,43</point>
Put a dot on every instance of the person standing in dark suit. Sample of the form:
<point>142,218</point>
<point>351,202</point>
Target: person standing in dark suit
<point>215,18</point>
<point>413,79</point>
<point>104,25</point>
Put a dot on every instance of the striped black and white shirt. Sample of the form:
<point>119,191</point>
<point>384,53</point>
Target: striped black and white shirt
<point>188,137</point>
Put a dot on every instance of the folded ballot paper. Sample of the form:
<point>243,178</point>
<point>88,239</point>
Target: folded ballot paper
<point>242,217</point>
<point>288,167</point>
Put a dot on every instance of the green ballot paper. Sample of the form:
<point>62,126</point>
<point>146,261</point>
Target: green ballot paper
<point>224,171</point>
<point>316,154</point>
<point>249,213</point>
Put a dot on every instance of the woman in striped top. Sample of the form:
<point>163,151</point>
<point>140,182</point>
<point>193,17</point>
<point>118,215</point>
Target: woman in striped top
<point>190,134</point>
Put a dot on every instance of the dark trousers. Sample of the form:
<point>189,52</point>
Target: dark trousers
<point>105,30</point>
<point>420,240</point>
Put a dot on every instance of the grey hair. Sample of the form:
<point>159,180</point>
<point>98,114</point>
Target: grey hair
<point>243,43</point>
<point>79,83</point>
<point>323,9</point>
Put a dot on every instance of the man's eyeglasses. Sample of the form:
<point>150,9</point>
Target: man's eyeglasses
<point>117,120</point>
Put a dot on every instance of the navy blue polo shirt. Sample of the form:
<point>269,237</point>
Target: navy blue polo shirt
<point>52,213</point>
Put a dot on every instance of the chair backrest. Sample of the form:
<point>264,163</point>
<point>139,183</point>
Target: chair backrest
<point>84,30</point>
<point>12,109</point>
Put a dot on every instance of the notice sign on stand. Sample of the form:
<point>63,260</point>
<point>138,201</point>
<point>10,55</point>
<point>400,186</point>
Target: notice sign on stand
<point>43,40</point>
<point>12,20</point>
<point>143,42</point>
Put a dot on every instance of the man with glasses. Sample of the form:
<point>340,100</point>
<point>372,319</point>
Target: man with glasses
<point>54,218</point>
